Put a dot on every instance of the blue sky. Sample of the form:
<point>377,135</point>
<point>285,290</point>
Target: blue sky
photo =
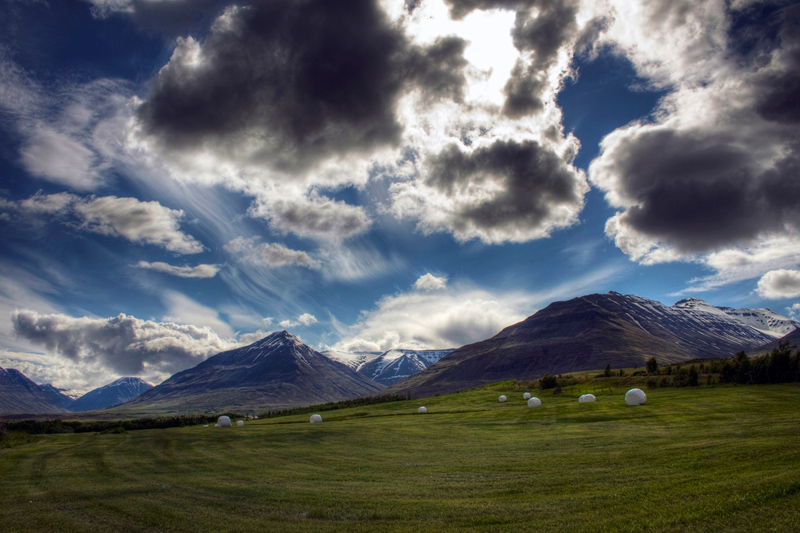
<point>178,178</point>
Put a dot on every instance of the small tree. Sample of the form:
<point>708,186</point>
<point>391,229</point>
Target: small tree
<point>621,372</point>
<point>652,366</point>
<point>607,372</point>
<point>743,368</point>
<point>693,380</point>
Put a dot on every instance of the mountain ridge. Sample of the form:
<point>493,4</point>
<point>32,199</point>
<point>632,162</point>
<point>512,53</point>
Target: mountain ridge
<point>586,333</point>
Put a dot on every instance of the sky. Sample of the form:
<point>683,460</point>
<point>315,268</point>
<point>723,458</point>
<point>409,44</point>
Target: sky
<point>182,177</point>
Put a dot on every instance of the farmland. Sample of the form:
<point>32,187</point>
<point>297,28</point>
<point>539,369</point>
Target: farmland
<point>691,459</point>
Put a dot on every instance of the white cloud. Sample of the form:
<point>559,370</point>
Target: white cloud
<point>794,311</point>
<point>271,254</point>
<point>123,344</point>
<point>434,319</point>
<point>778,284</point>
<point>429,282</point>
<point>199,271</point>
<point>145,222</point>
<point>129,218</point>
<point>304,319</point>
<point>184,310</point>
<point>307,319</point>
<point>316,217</point>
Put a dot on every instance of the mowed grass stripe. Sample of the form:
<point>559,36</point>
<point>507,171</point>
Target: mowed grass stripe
<point>707,459</point>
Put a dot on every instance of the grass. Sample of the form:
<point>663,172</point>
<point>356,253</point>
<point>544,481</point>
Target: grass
<point>704,459</point>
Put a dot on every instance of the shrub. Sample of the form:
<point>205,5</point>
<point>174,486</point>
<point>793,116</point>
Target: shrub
<point>652,366</point>
<point>548,382</point>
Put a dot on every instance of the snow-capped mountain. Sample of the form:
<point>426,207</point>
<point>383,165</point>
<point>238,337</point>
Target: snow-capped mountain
<point>764,320</point>
<point>276,372</point>
<point>589,332</point>
<point>351,359</point>
<point>396,365</point>
<point>117,392</point>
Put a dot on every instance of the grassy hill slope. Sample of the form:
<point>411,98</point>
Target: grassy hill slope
<point>699,459</point>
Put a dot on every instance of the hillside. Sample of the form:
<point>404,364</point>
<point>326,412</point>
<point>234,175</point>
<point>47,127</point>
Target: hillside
<point>20,395</point>
<point>276,372</point>
<point>587,333</point>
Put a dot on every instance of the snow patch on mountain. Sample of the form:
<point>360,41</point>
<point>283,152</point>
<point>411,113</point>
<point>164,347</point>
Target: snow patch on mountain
<point>763,320</point>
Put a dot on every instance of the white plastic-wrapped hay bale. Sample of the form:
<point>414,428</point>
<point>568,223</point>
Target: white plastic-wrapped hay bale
<point>224,421</point>
<point>216,425</point>
<point>586,398</point>
<point>316,419</point>
<point>240,422</point>
<point>502,398</point>
<point>526,396</point>
<point>205,426</point>
<point>534,402</point>
<point>422,410</point>
<point>635,397</point>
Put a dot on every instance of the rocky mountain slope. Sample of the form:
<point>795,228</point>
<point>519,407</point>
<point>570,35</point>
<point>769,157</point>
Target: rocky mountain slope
<point>276,372</point>
<point>587,333</point>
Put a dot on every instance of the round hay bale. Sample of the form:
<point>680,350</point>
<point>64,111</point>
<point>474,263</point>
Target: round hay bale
<point>422,410</point>
<point>216,425</point>
<point>534,402</point>
<point>316,419</point>
<point>586,398</point>
<point>205,426</point>
<point>526,396</point>
<point>240,422</point>
<point>224,421</point>
<point>502,398</point>
<point>635,397</point>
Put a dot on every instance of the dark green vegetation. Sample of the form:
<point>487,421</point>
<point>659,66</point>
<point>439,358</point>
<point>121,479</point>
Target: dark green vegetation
<point>691,459</point>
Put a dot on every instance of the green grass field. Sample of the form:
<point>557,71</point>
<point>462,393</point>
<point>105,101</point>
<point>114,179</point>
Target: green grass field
<point>706,459</point>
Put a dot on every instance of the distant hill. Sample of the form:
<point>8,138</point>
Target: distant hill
<point>588,333</point>
<point>20,395</point>
<point>276,372</point>
<point>792,338</point>
<point>120,391</point>
<point>57,396</point>
<point>391,366</point>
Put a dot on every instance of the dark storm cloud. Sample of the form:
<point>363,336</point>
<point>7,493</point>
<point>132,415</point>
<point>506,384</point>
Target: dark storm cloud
<point>461,8</point>
<point>524,91</point>
<point>532,183</point>
<point>546,33</point>
<point>780,99</point>
<point>299,80</point>
<point>701,192</point>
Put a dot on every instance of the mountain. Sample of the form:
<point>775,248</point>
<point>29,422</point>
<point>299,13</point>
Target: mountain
<point>120,391</point>
<point>394,366</point>
<point>587,333</point>
<point>57,396</point>
<point>763,320</point>
<point>20,395</point>
<point>387,367</point>
<point>351,359</point>
<point>276,372</point>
